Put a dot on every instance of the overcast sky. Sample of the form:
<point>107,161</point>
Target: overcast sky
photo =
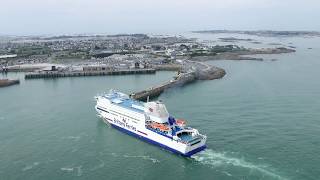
<point>25,17</point>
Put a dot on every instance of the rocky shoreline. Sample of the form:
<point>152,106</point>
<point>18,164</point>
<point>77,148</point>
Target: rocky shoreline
<point>244,55</point>
<point>264,33</point>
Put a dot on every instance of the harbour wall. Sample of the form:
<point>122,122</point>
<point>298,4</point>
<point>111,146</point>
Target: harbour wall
<point>155,91</point>
<point>188,72</point>
<point>19,69</point>
<point>58,74</point>
<point>195,71</point>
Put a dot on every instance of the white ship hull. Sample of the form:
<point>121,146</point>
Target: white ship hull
<point>133,123</point>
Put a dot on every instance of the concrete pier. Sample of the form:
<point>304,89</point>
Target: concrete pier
<point>58,74</point>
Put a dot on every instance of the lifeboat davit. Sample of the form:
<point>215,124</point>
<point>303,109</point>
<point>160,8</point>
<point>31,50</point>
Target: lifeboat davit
<point>181,122</point>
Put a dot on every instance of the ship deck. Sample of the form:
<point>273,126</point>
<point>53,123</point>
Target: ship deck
<point>186,138</point>
<point>125,102</point>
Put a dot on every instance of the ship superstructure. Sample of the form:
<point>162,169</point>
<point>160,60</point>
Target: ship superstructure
<point>149,121</point>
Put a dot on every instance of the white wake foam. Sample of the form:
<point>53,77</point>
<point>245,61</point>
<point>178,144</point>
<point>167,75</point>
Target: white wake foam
<point>77,170</point>
<point>137,156</point>
<point>30,166</point>
<point>74,138</point>
<point>101,165</point>
<point>143,157</point>
<point>218,159</point>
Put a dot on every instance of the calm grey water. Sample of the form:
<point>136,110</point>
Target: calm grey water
<point>262,121</point>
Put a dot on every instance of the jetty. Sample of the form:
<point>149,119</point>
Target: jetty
<point>187,72</point>
<point>59,74</point>
<point>8,82</point>
<point>193,71</point>
<point>179,80</point>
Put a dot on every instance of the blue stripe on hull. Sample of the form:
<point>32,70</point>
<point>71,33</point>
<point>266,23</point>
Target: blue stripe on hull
<point>159,144</point>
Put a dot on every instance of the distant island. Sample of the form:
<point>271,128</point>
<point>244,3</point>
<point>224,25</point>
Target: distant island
<point>266,33</point>
<point>233,39</point>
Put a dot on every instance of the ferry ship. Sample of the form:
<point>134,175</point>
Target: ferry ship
<point>149,121</point>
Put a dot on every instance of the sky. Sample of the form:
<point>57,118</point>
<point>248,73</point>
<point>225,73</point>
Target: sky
<point>36,17</point>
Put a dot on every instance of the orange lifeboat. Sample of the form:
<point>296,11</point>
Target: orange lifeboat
<point>161,127</point>
<point>181,122</point>
<point>164,128</point>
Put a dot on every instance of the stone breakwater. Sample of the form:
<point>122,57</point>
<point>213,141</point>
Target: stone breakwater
<point>195,71</point>
<point>57,74</point>
<point>179,80</point>
<point>205,71</point>
<point>211,74</point>
<point>188,72</point>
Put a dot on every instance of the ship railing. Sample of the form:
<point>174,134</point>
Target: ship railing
<point>157,131</point>
<point>195,138</point>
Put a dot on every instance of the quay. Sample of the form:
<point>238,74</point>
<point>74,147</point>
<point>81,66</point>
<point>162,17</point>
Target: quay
<point>188,72</point>
<point>58,74</point>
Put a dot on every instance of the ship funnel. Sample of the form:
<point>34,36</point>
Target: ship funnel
<point>158,110</point>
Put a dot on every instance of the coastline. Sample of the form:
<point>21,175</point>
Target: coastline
<point>244,55</point>
<point>186,56</point>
